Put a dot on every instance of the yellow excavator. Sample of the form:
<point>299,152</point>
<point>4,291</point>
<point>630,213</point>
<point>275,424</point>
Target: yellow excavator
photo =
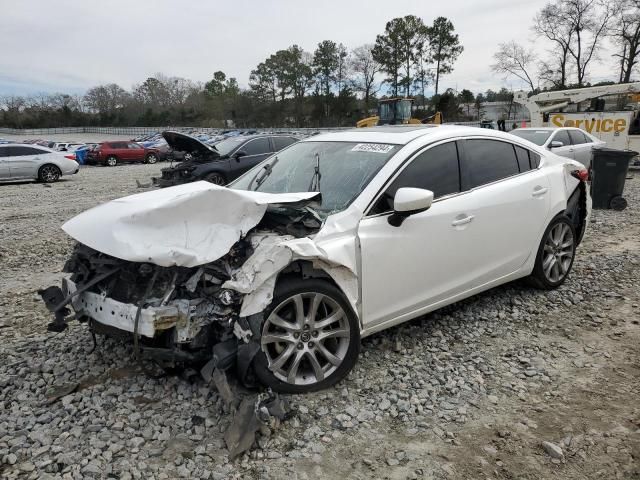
<point>397,111</point>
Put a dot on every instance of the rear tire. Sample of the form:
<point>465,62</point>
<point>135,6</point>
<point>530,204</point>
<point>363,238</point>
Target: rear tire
<point>555,256</point>
<point>111,161</point>
<point>151,158</point>
<point>49,173</point>
<point>303,350</point>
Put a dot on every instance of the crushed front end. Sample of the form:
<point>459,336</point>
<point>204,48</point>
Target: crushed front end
<point>177,175</point>
<point>172,314</point>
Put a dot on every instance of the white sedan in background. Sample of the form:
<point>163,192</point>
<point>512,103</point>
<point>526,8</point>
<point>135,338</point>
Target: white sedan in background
<point>331,239</point>
<point>566,141</point>
<point>20,162</point>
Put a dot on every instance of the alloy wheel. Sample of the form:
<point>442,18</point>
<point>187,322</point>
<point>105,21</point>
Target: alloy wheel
<point>152,159</point>
<point>111,161</point>
<point>49,173</point>
<point>306,338</point>
<point>559,248</point>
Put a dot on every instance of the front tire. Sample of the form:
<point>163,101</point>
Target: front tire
<point>151,158</point>
<point>555,255</point>
<point>49,173</point>
<point>216,179</point>
<point>310,337</point>
<point>111,161</point>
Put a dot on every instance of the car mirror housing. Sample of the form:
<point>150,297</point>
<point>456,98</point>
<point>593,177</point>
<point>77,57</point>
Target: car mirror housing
<point>409,201</point>
<point>556,144</point>
<point>239,154</point>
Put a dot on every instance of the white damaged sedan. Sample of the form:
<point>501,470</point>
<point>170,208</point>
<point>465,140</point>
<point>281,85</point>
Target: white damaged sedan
<point>280,275</point>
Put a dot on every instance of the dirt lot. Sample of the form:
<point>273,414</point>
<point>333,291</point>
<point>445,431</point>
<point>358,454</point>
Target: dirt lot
<point>469,392</point>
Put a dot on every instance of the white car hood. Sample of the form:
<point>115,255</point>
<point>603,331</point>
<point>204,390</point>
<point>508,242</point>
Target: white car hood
<point>186,225</point>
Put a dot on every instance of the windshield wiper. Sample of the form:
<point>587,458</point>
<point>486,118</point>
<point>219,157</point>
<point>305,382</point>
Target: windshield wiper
<point>261,176</point>
<point>314,186</point>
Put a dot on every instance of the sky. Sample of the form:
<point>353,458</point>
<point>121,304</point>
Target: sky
<point>69,46</point>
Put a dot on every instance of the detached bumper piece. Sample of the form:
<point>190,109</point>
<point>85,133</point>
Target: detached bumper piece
<point>173,176</point>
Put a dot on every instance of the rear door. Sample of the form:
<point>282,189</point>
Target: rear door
<point>24,161</point>
<point>135,152</point>
<point>582,146</point>
<point>566,150</point>
<point>120,150</point>
<point>508,204</point>
<point>256,150</point>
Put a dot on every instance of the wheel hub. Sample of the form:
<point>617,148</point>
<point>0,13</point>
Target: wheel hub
<point>305,338</point>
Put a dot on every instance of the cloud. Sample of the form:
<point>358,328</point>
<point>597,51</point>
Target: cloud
<point>71,45</point>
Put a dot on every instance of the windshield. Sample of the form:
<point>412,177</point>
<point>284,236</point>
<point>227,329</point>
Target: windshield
<point>536,136</point>
<point>225,147</point>
<point>339,170</point>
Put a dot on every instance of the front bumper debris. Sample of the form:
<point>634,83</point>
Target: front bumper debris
<point>122,316</point>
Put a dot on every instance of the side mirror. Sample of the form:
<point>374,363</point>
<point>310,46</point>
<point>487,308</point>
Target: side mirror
<point>556,144</point>
<point>239,154</point>
<point>407,202</point>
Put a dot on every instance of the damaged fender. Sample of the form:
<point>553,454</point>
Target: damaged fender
<point>256,279</point>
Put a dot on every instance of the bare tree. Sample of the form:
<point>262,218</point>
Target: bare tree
<point>549,23</point>
<point>625,33</point>
<point>512,59</point>
<point>589,20</point>
<point>364,68</point>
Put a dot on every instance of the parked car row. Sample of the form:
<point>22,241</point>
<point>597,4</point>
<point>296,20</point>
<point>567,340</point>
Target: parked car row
<point>220,163</point>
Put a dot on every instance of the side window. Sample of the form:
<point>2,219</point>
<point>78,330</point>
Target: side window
<point>436,169</point>
<point>562,136</point>
<point>488,161</point>
<point>22,151</point>
<point>134,146</point>
<point>522,154</point>
<point>118,145</point>
<point>257,146</point>
<point>4,152</point>
<point>282,142</point>
<point>534,158</point>
<point>577,137</point>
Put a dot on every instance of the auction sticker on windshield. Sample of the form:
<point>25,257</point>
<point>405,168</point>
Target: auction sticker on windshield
<point>373,147</point>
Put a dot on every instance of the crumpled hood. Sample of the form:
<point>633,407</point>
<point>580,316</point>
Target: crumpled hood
<point>186,225</point>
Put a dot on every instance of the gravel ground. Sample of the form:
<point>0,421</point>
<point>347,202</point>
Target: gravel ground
<point>514,383</point>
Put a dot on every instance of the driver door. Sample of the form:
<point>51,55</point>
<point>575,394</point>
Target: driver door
<point>426,258</point>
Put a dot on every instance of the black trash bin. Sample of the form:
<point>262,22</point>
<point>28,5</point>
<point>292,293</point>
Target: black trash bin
<point>609,169</point>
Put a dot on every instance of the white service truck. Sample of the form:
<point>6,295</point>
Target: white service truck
<point>619,128</point>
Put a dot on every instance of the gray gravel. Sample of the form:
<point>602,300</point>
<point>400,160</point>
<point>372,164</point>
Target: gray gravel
<point>514,383</point>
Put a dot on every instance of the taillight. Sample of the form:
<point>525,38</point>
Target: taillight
<point>71,156</point>
<point>582,174</point>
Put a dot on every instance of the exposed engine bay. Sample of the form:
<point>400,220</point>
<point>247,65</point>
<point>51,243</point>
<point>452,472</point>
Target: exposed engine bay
<point>176,314</point>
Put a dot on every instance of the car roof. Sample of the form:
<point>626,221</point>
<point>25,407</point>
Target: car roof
<point>31,145</point>
<point>403,134</point>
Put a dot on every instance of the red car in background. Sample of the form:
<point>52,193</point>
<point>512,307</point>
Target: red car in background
<point>112,153</point>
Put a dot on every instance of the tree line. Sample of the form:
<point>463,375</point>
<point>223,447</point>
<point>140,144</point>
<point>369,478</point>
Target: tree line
<point>336,86</point>
<point>576,30</point>
<point>331,86</point>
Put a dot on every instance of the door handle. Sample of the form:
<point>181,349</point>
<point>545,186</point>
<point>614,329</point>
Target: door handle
<point>462,221</point>
<point>538,191</point>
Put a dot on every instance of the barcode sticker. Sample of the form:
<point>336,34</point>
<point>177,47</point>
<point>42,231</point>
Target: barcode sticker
<point>373,147</point>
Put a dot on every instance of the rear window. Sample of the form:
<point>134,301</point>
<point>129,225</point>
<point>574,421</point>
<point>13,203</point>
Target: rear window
<point>282,142</point>
<point>536,136</point>
<point>488,161</point>
<point>23,151</point>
